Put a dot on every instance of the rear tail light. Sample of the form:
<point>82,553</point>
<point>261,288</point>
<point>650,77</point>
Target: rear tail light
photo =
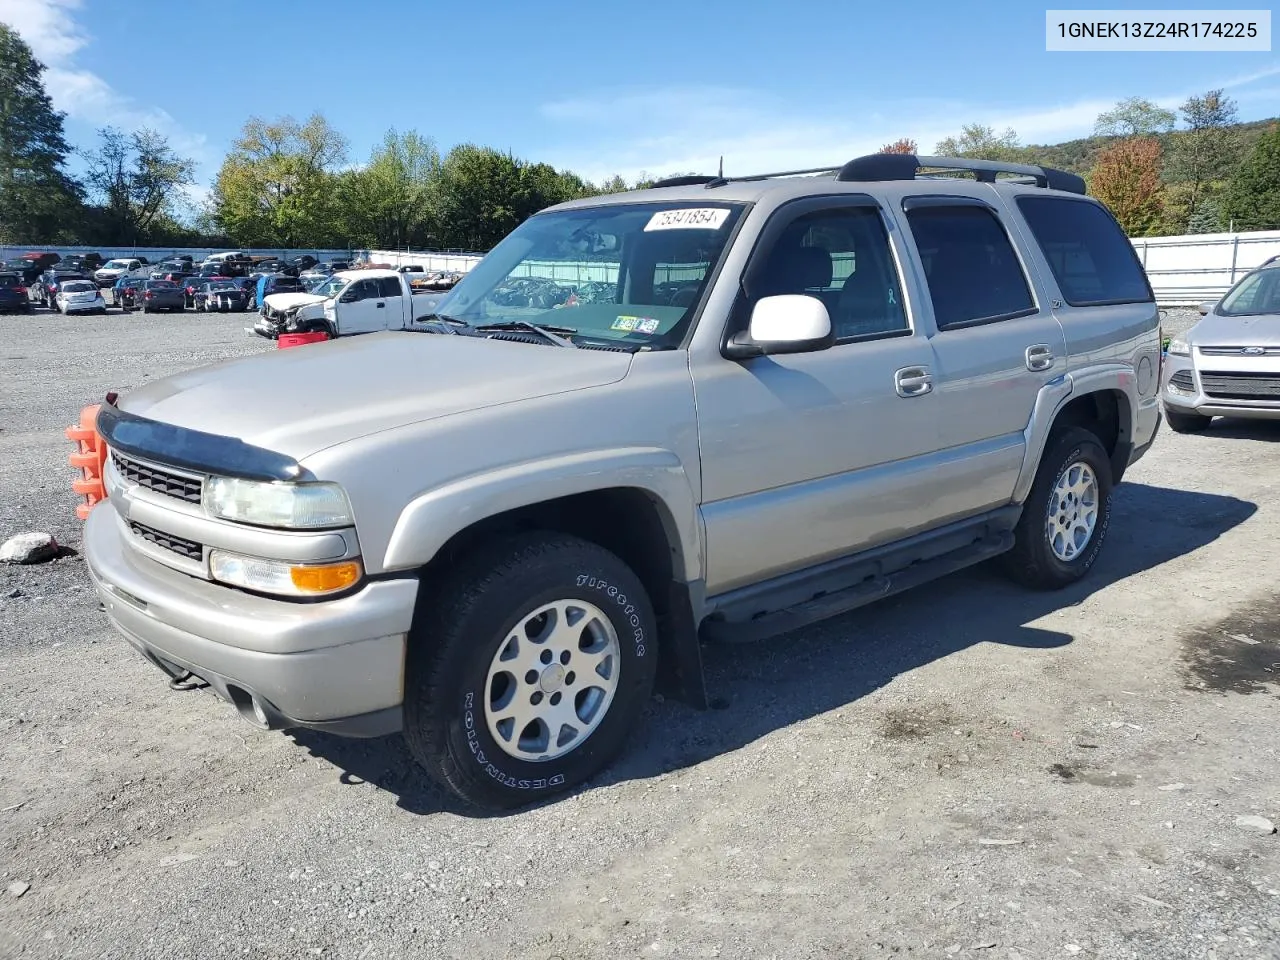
<point>147,295</point>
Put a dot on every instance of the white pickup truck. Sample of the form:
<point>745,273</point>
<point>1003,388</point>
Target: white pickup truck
<point>130,268</point>
<point>350,302</point>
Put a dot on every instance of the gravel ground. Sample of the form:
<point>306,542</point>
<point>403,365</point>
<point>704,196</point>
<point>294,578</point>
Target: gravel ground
<point>966,770</point>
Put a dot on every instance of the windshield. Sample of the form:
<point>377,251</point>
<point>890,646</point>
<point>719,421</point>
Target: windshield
<point>1257,293</point>
<point>9,280</point>
<point>331,287</point>
<point>77,286</point>
<point>116,265</point>
<point>222,285</point>
<point>161,285</point>
<point>629,273</point>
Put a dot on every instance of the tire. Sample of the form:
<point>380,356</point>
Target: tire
<point>1034,561</point>
<point>1186,422</point>
<point>472,617</point>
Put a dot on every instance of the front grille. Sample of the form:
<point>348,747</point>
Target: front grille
<point>183,548</point>
<point>161,481</point>
<point>1241,386</point>
<point>1182,380</point>
<point>1253,351</point>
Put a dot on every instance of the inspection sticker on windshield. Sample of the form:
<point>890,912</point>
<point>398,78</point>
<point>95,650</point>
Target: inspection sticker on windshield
<point>698,218</point>
<point>635,324</point>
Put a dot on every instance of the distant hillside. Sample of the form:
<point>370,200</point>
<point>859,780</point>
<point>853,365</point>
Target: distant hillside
<point>1078,156</point>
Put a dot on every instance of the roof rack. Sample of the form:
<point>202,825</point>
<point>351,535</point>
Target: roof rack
<point>904,166</point>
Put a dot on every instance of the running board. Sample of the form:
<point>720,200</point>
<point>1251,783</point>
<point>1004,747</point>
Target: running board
<point>836,602</point>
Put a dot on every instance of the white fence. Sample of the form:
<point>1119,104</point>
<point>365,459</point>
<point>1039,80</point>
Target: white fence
<point>1192,269</point>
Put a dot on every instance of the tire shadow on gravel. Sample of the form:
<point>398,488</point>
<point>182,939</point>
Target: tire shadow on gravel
<point>761,687</point>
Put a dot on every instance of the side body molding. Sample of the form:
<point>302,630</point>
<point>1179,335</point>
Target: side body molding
<point>430,519</point>
<point>1056,394</point>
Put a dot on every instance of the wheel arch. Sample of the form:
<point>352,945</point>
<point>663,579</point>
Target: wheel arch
<point>647,517</point>
<point>1103,401</point>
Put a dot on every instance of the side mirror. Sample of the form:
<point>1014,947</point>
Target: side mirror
<point>1205,308</point>
<point>793,323</point>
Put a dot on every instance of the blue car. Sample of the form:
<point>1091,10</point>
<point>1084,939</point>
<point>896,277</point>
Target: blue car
<point>270,283</point>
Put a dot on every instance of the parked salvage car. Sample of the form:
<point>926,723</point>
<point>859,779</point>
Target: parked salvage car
<point>222,296</point>
<point>273,283</point>
<point>80,296</point>
<point>113,270</point>
<point>45,289</point>
<point>1228,363</point>
<point>87,262</point>
<point>127,291</point>
<point>13,293</point>
<point>157,295</point>
<point>28,269</point>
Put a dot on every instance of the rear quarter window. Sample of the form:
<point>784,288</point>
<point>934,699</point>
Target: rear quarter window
<point>1089,254</point>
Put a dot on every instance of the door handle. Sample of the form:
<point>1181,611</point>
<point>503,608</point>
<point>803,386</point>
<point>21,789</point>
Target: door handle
<point>1039,357</point>
<point>381,305</point>
<point>913,381</point>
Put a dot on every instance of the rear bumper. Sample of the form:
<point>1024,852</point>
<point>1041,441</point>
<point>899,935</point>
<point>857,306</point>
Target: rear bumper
<point>333,665</point>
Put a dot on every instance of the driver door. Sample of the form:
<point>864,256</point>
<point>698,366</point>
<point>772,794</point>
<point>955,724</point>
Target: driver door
<point>811,456</point>
<point>362,308</point>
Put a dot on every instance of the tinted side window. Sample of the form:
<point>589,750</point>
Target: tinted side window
<point>973,273</point>
<point>390,287</point>
<point>842,257</point>
<point>1091,258</point>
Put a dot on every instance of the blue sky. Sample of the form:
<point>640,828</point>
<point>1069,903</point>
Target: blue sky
<point>602,88</point>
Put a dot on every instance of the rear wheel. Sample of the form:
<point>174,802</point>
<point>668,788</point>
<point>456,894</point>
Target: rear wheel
<point>1065,518</point>
<point>1186,422</point>
<point>527,668</point>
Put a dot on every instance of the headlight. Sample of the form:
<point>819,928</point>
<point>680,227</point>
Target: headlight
<point>1179,348</point>
<point>289,505</point>
<point>276,576</point>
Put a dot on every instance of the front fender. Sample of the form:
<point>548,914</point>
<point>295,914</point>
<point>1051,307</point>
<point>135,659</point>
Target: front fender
<point>434,516</point>
<point>1060,391</point>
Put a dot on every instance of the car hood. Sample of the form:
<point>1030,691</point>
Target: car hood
<point>301,400</point>
<point>286,301</point>
<point>1216,330</point>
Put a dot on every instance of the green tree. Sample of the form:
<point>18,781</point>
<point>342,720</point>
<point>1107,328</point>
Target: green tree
<point>482,194</point>
<point>1204,156</point>
<point>276,187</point>
<point>137,180</point>
<point>38,200</point>
<point>981,142</point>
<point>1134,117</point>
<point>1127,179</point>
<point>389,202</point>
<point>1253,199</point>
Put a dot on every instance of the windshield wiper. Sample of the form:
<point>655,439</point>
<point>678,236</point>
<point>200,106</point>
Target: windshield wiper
<point>550,333</point>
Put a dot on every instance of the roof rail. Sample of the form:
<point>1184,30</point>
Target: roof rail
<point>712,181</point>
<point>683,181</point>
<point>904,166</point>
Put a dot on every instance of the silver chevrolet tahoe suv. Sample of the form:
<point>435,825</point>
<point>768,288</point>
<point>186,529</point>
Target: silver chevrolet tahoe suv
<point>720,408</point>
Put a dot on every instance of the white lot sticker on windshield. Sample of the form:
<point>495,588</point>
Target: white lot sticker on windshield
<point>698,218</point>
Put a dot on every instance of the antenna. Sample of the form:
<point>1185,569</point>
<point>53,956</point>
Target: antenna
<point>721,167</point>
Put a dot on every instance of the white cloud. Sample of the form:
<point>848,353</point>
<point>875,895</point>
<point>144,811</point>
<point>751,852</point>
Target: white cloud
<point>683,129</point>
<point>50,28</point>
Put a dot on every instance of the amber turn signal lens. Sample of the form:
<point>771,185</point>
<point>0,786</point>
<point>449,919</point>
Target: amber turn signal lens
<point>325,579</point>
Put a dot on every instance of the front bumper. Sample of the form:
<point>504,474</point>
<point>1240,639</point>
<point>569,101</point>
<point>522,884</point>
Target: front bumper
<point>1196,401</point>
<point>335,665</point>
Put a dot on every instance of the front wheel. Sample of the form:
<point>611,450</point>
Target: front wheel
<point>527,668</point>
<point>1065,518</point>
